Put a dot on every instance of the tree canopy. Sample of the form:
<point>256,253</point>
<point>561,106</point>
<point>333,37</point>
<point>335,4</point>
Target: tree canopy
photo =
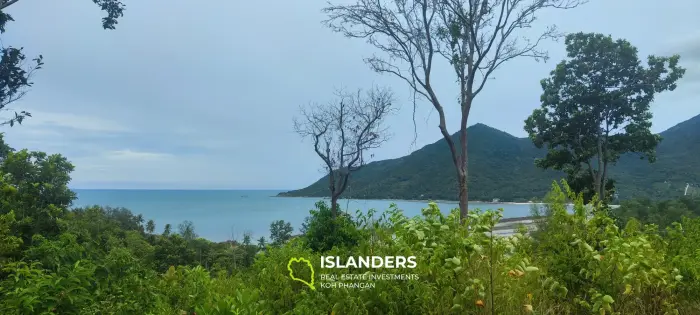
<point>595,107</point>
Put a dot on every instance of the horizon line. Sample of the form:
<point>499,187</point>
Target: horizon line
<point>221,189</point>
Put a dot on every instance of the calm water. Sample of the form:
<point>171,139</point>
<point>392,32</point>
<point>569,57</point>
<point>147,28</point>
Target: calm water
<point>220,215</point>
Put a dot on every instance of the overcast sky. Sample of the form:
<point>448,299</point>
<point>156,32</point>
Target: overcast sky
<point>201,94</point>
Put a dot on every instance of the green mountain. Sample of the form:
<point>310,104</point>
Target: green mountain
<point>502,166</point>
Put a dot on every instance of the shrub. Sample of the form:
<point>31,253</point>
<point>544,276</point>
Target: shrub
<point>322,232</point>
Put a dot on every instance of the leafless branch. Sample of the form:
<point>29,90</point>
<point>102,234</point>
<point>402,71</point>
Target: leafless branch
<point>344,130</point>
<point>474,36</point>
<point>7,3</point>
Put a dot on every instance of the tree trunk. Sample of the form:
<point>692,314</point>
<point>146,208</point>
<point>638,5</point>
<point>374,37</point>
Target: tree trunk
<point>334,205</point>
<point>463,168</point>
<point>463,197</point>
<point>334,196</point>
<point>599,185</point>
<point>462,175</point>
<point>604,181</point>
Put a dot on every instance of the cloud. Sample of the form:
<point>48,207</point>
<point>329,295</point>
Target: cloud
<point>47,120</point>
<point>135,156</point>
<point>687,45</point>
<point>159,103</point>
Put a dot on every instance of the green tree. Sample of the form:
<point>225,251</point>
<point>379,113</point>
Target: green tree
<point>475,37</point>
<point>247,238</point>
<point>150,226</point>
<point>186,230</point>
<point>596,107</point>
<point>262,243</point>
<point>8,242</point>
<point>35,188</point>
<point>15,75</point>
<point>660,213</point>
<point>280,232</point>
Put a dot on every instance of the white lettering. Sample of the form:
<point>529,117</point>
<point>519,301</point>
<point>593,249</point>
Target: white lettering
<point>389,262</point>
<point>364,262</point>
<point>377,262</point>
<point>412,262</point>
<point>373,262</point>
<point>400,262</point>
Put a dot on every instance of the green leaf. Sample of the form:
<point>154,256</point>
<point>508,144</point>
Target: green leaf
<point>454,260</point>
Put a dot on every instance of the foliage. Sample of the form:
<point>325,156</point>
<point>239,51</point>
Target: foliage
<point>683,239</point>
<point>101,260</point>
<point>596,106</point>
<point>322,232</point>
<point>35,188</point>
<point>604,267</point>
<point>280,232</point>
<point>662,213</point>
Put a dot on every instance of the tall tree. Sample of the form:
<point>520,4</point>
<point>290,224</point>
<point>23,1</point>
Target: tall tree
<point>596,107</point>
<point>343,131</point>
<point>280,232</point>
<point>150,227</point>
<point>474,36</point>
<point>15,73</point>
<point>167,230</point>
<point>186,230</point>
<point>262,243</point>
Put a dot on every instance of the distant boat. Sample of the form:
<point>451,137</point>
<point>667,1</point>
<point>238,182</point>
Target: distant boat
<point>244,196</point>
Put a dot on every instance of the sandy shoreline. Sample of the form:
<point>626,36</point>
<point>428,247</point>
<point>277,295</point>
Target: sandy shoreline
<point>471,202</point>
<point>425,200</point>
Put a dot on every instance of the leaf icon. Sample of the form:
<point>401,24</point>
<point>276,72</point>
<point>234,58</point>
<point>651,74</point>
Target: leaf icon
<point>311,268</point>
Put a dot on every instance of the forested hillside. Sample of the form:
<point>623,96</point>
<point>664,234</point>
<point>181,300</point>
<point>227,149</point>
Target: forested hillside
<point>502,166</point>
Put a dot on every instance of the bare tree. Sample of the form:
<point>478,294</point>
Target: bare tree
<point>474,36</point>
<point>343,131</point>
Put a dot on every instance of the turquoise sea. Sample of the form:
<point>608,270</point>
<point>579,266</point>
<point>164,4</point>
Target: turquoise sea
<point>221,215</point>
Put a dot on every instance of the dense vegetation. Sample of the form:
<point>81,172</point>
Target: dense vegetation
<point>109,261</point>
<point>640,258</point>
<point>502,166</point>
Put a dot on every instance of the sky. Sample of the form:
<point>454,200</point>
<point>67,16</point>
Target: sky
<point>185,96</point>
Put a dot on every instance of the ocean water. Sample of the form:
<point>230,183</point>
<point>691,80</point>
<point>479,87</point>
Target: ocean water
<point>221,215</point>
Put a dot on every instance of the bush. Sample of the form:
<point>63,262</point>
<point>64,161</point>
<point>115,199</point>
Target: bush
<point>662,213</point>
<point>322,232</point>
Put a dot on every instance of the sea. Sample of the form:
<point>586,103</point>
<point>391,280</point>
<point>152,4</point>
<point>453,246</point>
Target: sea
<point>221,215</point>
